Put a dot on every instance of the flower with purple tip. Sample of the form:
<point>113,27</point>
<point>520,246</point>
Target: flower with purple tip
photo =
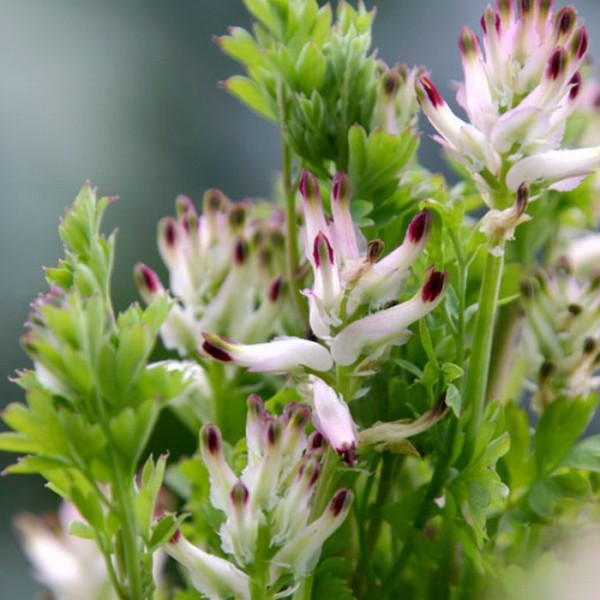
<point>520,87</point>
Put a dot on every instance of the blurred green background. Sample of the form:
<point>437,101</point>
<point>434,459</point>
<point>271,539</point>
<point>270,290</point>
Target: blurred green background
<point>124,93</point>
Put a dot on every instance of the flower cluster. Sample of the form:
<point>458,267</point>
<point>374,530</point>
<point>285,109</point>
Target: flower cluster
<point>561,333</point>
<point>518,92</point>
<point>268,508</point>
<point>224,269</point>
<point>352,289</point>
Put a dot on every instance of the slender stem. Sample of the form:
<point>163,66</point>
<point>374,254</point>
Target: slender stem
<point>292,257</point>
<point>125,496</point>
<point>478,371</point>
<point>386,479</point>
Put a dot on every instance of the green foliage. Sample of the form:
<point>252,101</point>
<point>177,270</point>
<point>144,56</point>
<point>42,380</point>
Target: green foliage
<point>93,401</point>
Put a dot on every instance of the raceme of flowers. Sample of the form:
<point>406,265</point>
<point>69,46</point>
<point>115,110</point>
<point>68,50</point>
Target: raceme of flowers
<point>519,89</point>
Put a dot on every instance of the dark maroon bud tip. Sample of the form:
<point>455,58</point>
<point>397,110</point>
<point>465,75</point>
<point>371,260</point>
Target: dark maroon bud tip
<point>375,249</point>
<point>348,454</point>
<point>237,216</point>
<point>575,84</point>
<point>316,441</point>
<point>322,250</point>
<point>273,432</point>
<point>434,286</point>
<point>391,82</point>
<point>419,227</point>
<point>240,253</point>
<point>575,309</point>
<point>556,63</point>
<point>147,278</point>
<point>239,494</point>
<point>483,24</point>
<point>213,200</point>
<point>431,91</point>
<point>579,45</point>
<point>175,537</point>
<point>522,198</point>
<point>338,502</point>
<point>275,289</point>
<point>256,406</point>
<point>307,185</point>
<point>218,40</point>
<point>183,205</point>
<point>216,352</point>
<point>565,21</point>
<point>212,439</point>
<point>564,267</point>
<point>298,415</point>
<point>340,189</point>
<point>170,232</point>
<point>589,345</point>
<point>467,42</point>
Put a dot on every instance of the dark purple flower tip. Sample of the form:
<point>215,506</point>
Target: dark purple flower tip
<point>432,93</point>
<point>308,185</point>
<point>391,82</point>
<point>579,43</point>
<point>316,441</point>
<point>315,476</point>
<point>434,286</point>
<point>375,249</point>
<point>467,42</point>
<point>589,345</point>
<point>215,351</point>
<point>340,189</point>
<point>419,226</point>
<point>348,454</point>
<point>183,205</point>
<point>211,439</point>
<point>175,537</point>
<point>575,309</point>
<point>339,501</point>
<point>275,290</point>
<point>256,406</point>
<point>298,415</point>
<point>273,432</point>
<point>170,232</point>
<point>239,494</point>
<point>214,200</point>
<point>240,252</point>
<point>146,278</point>
<point>322,250</point>
<point>575,84</point>
<point>522,198</point>
<point>556,63</point>
<point>237,216</point>
<point>564,22</point>
<point>528,288</point>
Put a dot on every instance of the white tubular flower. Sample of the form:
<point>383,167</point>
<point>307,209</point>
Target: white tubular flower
<point>70,567</point>
<point>211,575</point>
<point>273,495</point>
<point>348,273</point>
<point>333,419</point>
<point>225,271</point>
<point>222,478</point>
<point>389,326</point>
<point>518,92</point>
<point>278,356</point>
<point>302,554</point>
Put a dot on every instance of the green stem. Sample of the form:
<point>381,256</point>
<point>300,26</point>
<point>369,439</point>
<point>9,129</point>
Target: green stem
<point>292,257</point>
<point>124,492</point>
<point>479,361</point>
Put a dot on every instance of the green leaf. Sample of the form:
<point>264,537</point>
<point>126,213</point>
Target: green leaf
<point>249,93</point>
<point>560,426</point>
<point>81,530</point>
<point>584,455</point>
<point>310,68</point>
<point>453,399</point>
